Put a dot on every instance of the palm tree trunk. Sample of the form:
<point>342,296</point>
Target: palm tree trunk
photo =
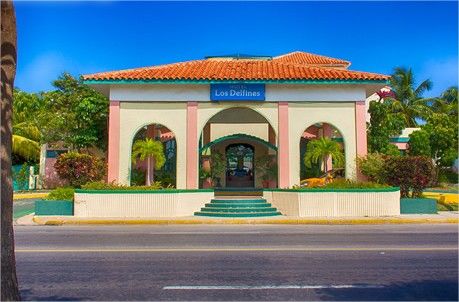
<point>9,282</point>
<point>152,179</point>
<point>325,160</point>
<point>148,179</point>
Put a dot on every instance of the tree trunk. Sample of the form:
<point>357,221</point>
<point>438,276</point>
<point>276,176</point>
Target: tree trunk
<point>152,179</point>
<point>147,181</point>
<point>9,282</point>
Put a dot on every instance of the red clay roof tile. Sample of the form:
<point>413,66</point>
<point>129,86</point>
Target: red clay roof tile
<point>295,66</point>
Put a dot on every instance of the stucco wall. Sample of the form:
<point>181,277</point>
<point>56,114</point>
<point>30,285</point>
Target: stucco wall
<point>340,115</point>
<point>133,116</point>
<point>139,204</point>
<point>201,93</point>
<point>336,204</point>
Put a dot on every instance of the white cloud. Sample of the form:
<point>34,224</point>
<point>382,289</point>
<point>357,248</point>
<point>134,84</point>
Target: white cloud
<point>443,74</point>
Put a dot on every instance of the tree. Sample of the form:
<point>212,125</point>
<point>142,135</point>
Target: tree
<point>443,136</point>
<point>27,109</point>
<point>447,102</point>
<point>153,152</point>
<point>420,143</point>
<point>321,150</point>
<point>408,100</point>
<point>9,282</point>
<point>383,125</point>
<point>75,114</point>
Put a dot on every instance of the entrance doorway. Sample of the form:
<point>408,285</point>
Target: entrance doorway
<point>240,166</point>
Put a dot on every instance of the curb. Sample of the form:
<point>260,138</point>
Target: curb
<point>292,221</point>
<point>29,196</point>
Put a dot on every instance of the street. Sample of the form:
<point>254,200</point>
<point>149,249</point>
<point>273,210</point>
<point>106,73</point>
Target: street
<point>238,262</point>
<point>22,207</point>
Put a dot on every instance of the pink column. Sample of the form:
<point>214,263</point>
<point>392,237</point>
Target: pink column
<point>360,132</point>
<point>327,132</point>
<point>192,145</point>
<point>283,152</point>
<point>113,141</point>
<point>361,128</point>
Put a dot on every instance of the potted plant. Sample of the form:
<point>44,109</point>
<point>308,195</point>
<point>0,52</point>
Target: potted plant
<point>267,169</point>
<point>217,167</point>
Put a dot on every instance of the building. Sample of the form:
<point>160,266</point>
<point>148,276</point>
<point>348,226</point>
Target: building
<point>248,109</point>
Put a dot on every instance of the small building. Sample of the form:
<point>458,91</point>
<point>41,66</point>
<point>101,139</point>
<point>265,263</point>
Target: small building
<point>248,110</point>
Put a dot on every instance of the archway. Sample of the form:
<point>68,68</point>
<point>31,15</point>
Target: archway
<point>233,130</point>
<point>321,167</point>
<point>167,174</point>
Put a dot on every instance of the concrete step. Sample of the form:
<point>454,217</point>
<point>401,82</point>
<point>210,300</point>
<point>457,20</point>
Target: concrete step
<point>235,215</point>
<point>239,210</point>
<point>238,205</point>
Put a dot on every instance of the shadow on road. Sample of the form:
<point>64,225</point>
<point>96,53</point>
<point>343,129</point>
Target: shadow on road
<point>28,295</point>
<point>422,290</point>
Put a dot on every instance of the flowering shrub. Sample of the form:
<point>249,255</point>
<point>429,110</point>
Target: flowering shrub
<point>78,168</point>
<point>410,173</point>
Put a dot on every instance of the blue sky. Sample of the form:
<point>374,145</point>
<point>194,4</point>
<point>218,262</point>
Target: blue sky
<point>87,37</point>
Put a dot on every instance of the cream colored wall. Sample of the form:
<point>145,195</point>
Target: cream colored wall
<point>336,204</point>
<point>303,115</point>
<point>133,116</point>
<point>221,130</point>
<point>201,93</point>
<point>208,110</point>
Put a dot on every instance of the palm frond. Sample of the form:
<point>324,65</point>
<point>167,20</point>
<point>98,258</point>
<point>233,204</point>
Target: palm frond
<point>26,147</point>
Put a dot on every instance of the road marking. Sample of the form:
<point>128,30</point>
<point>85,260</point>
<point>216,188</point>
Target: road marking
<point>237,249</point>
<point>251,287</point>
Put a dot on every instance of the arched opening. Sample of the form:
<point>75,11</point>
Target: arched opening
<point>238,149</point>
<point>323,162</point>
<point>167,173</point>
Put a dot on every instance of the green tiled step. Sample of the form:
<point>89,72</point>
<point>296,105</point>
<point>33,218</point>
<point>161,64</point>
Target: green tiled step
<point>238,200</point>
<point>239,205</point>
<point>239,210</point>
<point>229,215</point>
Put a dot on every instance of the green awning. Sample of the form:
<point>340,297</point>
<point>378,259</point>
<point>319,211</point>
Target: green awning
<point>238,136</point>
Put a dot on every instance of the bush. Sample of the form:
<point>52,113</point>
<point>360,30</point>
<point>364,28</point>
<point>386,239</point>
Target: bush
<point>372,166</point>
<point>78,168</point>
<point>100,185</point>
<point>349,184</point>
<point>413,173</point>
<point>137,177</point>
<point>61,194</point>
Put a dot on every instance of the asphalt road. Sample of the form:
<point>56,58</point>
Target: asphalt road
<point>238,262</point>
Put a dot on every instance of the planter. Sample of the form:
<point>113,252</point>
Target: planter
<point>137,203</point>
<point>53,207</point>
<point>418,206</point>
<point>335,202</point>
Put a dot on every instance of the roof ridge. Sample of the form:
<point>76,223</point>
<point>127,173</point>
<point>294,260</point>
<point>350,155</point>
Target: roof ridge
<point>313,54</point>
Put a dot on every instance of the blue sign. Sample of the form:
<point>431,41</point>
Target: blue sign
<point>237,92</point>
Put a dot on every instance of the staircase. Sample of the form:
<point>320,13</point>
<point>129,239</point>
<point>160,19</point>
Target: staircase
<point>238,206</point>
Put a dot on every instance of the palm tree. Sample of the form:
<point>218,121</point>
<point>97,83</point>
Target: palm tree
<point>320,150</point>
<point>26,139</point>
<point>447,102</point>
<point>153,152</point>
<point>9,282</point>
<point>408,100</point>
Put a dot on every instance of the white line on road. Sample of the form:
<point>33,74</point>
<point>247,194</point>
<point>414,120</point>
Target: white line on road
<point>212,287</point>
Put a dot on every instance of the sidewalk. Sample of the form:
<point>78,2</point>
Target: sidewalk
<point>442,217</point>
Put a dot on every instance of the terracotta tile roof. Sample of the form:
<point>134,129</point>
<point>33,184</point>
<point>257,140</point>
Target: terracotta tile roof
<point>276,69</point>
<point>306,58</point>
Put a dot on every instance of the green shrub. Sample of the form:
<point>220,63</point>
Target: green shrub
<point>100,185</point>
<point>350,184</point>
<point>61,194</point>
<point>78,168</point>
<point>22,177</point>
<point>137,177</point>
<point>410,173</point>
<point>372,166</point>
